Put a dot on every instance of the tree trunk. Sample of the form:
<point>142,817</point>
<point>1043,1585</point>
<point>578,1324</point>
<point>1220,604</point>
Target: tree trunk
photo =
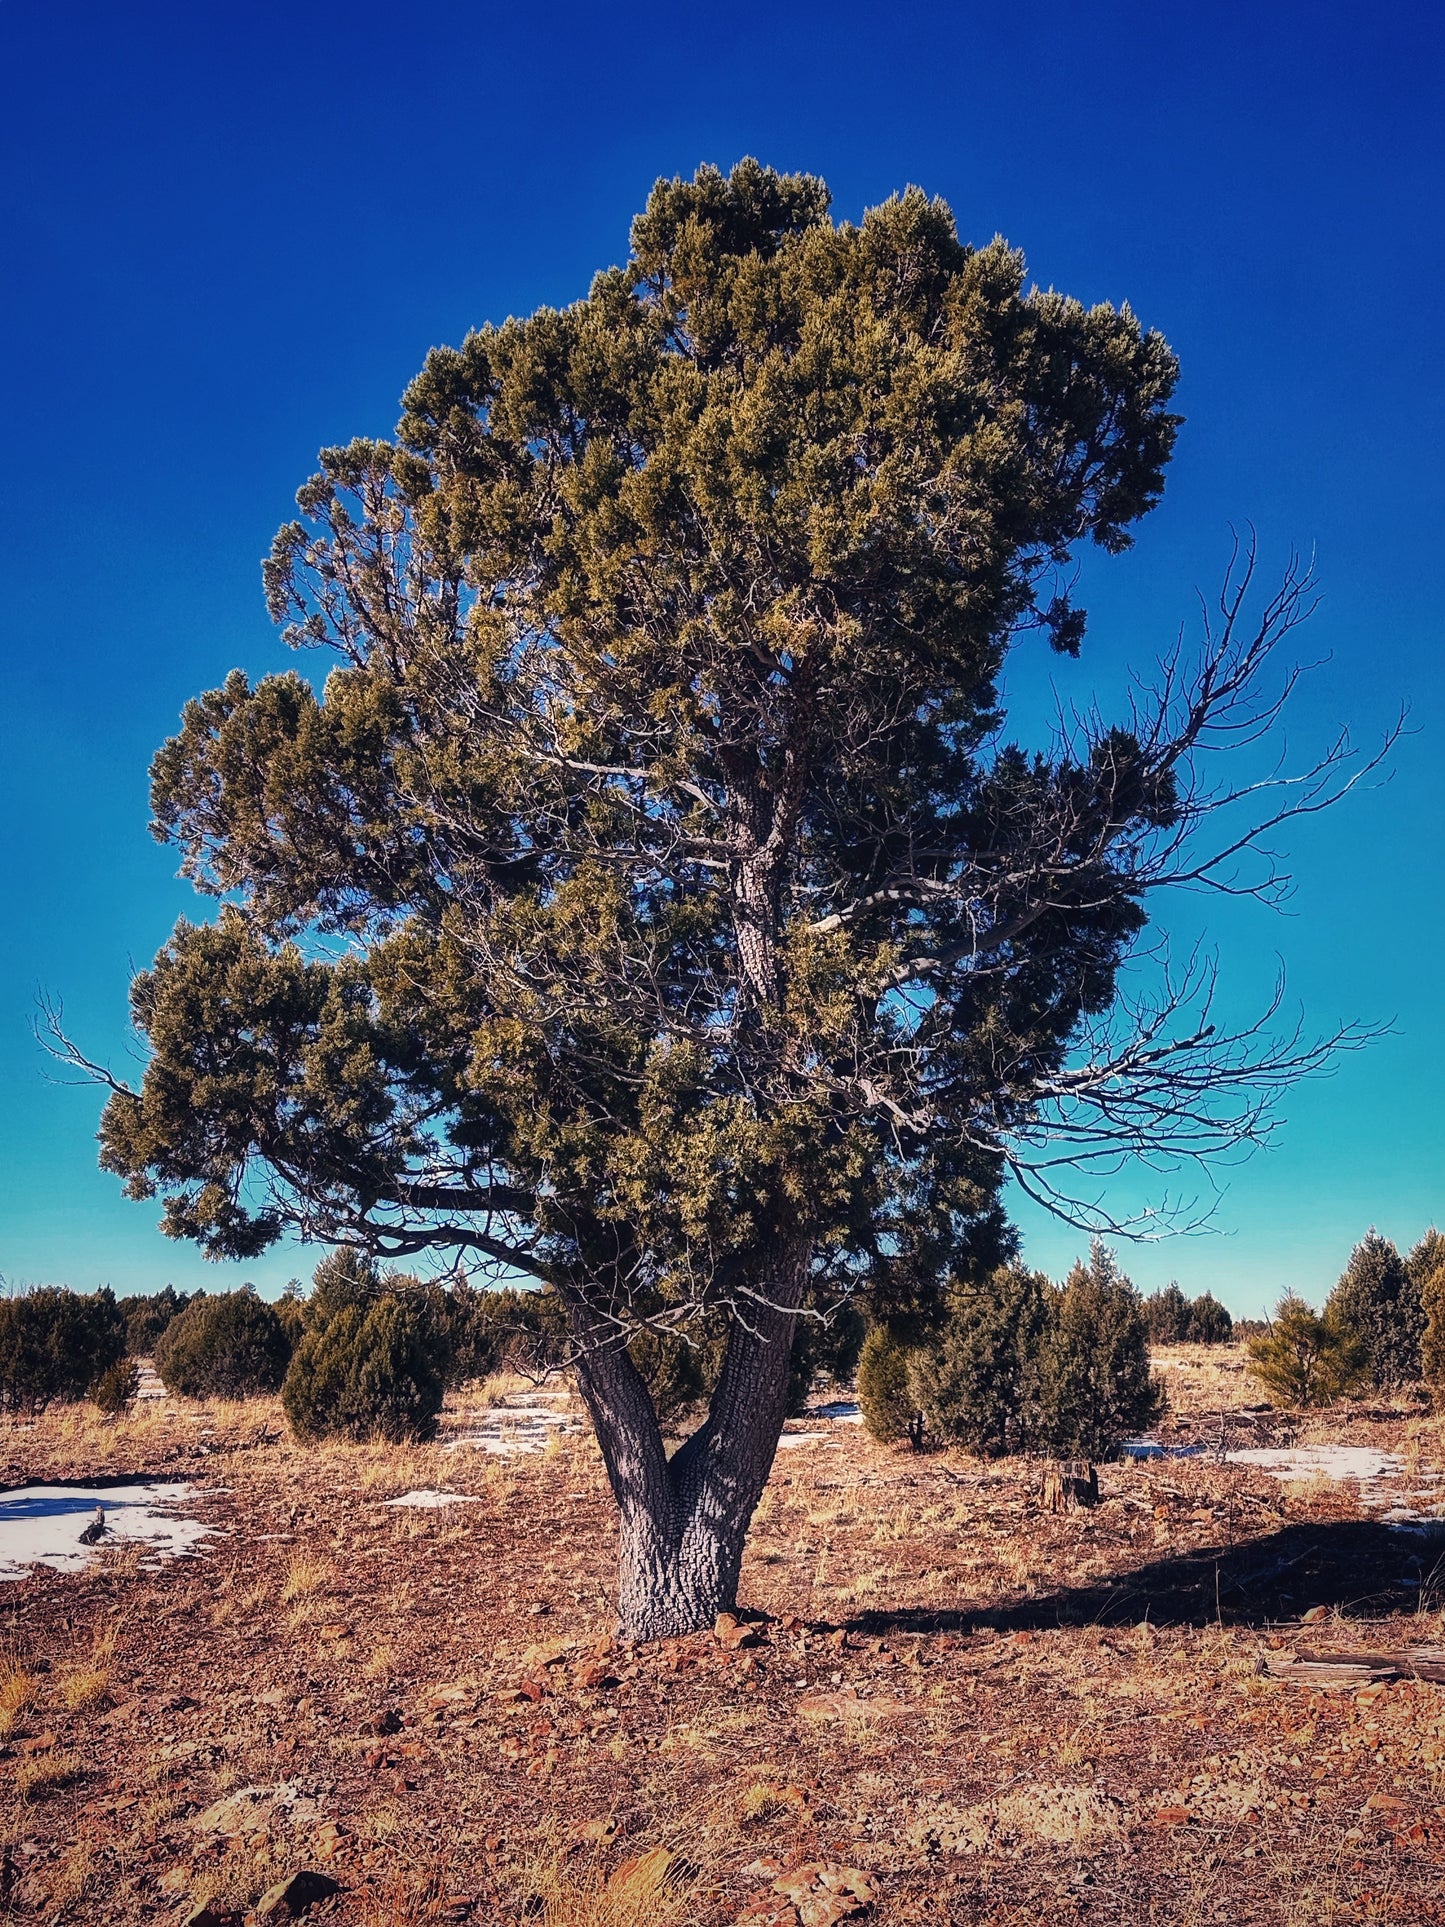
<point>685,1520</point>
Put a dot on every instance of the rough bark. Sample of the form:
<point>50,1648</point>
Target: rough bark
<point>684,1520</point>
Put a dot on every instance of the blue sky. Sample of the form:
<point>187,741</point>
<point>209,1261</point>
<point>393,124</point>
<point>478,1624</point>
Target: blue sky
<point>228,236</point>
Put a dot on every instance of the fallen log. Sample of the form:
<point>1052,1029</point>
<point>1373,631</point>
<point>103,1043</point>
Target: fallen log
<point>1350,1669</point>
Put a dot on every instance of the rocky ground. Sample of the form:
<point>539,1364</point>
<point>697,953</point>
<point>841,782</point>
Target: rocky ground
<point>945,1704</point>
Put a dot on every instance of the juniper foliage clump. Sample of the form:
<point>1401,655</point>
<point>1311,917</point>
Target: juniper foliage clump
<point>976,1379</point>
<point>707,942</point>
<point>1174,1319</point>
<point>886,1390</point>
<point>56,1345</point>
<point>1305,1359</point>
<point>1379,1304</point>
<point>228,1344</point>
<point>1425,1263</point>
<point>372,1371</point>
<point>146,1316</point>
<point>114,1392</point>
<point>1094,1382</point>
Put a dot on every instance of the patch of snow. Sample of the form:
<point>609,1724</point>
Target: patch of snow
<point>1363,1462</point>
<point>839,1408</point>
<point>803,1438</point>
<point>40,1525</point>
<point>1146,1446</point>
<point>520,1423</point>
<point>432,1500</point>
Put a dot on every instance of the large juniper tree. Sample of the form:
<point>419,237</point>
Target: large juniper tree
<point>648,904</point>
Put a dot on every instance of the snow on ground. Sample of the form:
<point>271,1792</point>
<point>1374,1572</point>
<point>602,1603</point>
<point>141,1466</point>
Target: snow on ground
<point>40,1525</point>
<point>430,1500</point>
<point>803,1438</point>
<point>1362,1462</point>
<point>520,1423</point>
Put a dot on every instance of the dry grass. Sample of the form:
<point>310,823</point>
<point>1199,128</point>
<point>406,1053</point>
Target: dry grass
<point>305,1577</point>
<point>85,1683</point>
<point>652,1889</point>
<point>43,1773</point>
<point>826,1741</point>
<point>17,1695</point>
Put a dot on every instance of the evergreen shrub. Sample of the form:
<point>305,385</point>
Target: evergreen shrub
<point>1018,1365</point>
<point>1426,1266</point>
<point>146,1317</point>
<point>1209,1322</point>
<point>976,1382</point>
<point>1094,1382</point>
<point>1173,1319</point>
<point>56,1345</point>
<point>370,1372</point>
<point>1379,1305</point>
<point>114,1392</point>
<point>227,1345</point>
<point>1306,1359</point>
<point>885,1389</point>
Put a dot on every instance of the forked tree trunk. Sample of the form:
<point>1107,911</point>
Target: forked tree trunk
<point>684,1520</point>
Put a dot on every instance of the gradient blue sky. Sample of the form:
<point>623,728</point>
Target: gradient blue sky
<point>229,235</point>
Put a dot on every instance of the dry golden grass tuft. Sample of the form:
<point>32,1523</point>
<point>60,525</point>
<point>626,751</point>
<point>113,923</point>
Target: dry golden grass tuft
<point>305,1577</point>
<point>44,1773</point>
<point>652,1889</point>
<point>17,1694</point>
<point>84,1683</point>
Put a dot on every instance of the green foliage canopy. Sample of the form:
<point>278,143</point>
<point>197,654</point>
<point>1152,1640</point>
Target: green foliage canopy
<point>228,1344</point>
<point>1305,1359</point>
<point>1378,1303</point>
<point>56,1345</point>
<point>686,896</point>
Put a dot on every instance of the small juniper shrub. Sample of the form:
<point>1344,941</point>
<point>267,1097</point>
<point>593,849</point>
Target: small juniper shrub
<point>885,1388</point>
<point>55,1345</point>
<point>291,1309</point>
<point>114,1391</point>
<point>1173,1319</point>
<point>1019,1366</point>
<point>227,1345</point>
<point>976,1383</point>
<point>1378,1303</point>
<point>1093,1370</point>
<point>370,1372</point>
<point>147,1316</point>
<point>1307,1359</point>
<point>493,1331</point>
<point>1210,1322</point>
<point>1426,1266</point>
<point>1166,1315</point>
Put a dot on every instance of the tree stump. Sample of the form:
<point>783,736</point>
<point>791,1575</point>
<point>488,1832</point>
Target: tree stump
<point>1073,1482</point>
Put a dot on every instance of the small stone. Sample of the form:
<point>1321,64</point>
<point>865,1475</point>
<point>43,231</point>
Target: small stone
<point>289,1899</point>
<point>212,1914</point>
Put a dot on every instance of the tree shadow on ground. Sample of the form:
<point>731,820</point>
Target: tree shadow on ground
<point>1360,1568</point>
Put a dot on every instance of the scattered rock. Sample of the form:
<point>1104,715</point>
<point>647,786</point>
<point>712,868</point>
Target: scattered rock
<point>212,1914</point>
<point>382,1724</point>
<point>1076,1817</point>
<point>289,1899</point>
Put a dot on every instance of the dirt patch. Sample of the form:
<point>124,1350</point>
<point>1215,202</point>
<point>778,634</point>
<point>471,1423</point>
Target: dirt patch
<point>952,1707</point>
